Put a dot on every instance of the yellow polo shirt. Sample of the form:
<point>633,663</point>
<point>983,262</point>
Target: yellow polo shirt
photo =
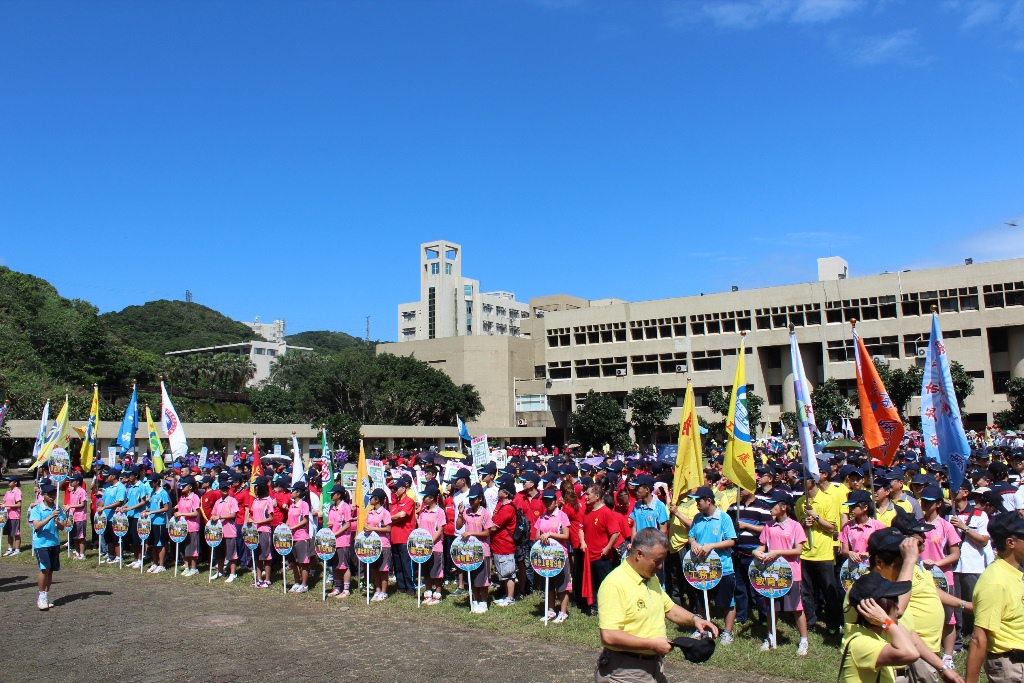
<point>926,608</point>
<point>633,604</point>
<point>999,606</point>
<point>887,516</point>
<point>821,547</point>
<point>861,662</point>
<point>839,493</point>
<point>678,534</point>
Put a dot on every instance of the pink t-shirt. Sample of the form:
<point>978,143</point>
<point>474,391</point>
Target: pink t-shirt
<point>378,518</point>
<point>557,523</point>
<point>786,536</point>
<point>12,501</point>
<point>337,515</point>
<point>77,497</point>
<point>263,508</point>
<point>227,506</point>
<point>937,543</point>
<point>297,511</point>
<point>189,503</point>
<point>479,521</point>
<point>856,535</point>
<point>433,521</point>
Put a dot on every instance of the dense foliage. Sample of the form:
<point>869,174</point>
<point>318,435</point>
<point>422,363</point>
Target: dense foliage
<point>1014,417</point>
<point>328,342</point>
<point>599,421</point>
<point>162,326</point>
<point>649,409</point>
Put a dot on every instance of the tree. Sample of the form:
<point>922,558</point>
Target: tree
<point>830,404</point>
<point>789,419</point>
<point>650,408</point>
<point>718,401</point>
<point>1014,417</point>
<point>903,385</point>
<point>599,421</point>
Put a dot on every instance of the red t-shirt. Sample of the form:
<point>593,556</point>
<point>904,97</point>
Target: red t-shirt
<point>598,526</point>
<point>401,528</point>
<point>449,515</point>
<point>207,502</point>
<point>280,498</point>
<point>244,500</point>
<point>504,521</point>
<point>575,515</point>
<point>532,508</point>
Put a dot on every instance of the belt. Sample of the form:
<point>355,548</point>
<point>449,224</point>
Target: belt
<point>633,655</point>
<point>1015,656</point>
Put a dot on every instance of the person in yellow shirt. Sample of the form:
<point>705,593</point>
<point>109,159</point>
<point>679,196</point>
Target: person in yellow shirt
<point>885,511</point>
<point>633,613</point>
<point>819,515</point>
<point>877,642</point>
<point>998,640</point>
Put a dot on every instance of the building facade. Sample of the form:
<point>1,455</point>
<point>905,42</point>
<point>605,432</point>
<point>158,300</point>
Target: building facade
<point>270,331</point>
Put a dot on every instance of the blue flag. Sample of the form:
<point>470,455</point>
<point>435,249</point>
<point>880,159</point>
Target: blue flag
<point>463,432</point>
<point>944,438</point>
<point>129,425</point>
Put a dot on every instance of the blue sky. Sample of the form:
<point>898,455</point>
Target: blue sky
<point>285,159</point>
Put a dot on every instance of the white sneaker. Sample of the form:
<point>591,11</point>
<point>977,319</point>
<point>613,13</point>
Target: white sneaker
<point>551,615</point>
<point>766,645</point>
<point>294,588</point>
<point>802,647</point>
<point>215,575</point>
<point>17,551</point>
<point>42,602</point>
<point>8,552</point>
<point>159,569</point>
<point>503,602</point>
<point>562,616</point>
<point>301,589</point>
<point>231,577</point>
<point>725,639</point>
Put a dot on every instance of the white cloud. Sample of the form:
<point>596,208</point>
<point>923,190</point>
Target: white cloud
<point>872,51</point>
<point>820,11</point>
<point>982,12</point>
<point>746,14</point>
<point>1003,242</point>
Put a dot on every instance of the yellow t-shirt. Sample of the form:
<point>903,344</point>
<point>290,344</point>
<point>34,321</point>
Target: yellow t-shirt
<point>861,663</point>
<point>724,499</point>
<point>902,504</point>
<point>999,606</point>
<point>926,609</point>
<point>821,547</point>
<point>887,516</point>
<point>678,534</point>
<point>632,604</point>
<point>839,493</point>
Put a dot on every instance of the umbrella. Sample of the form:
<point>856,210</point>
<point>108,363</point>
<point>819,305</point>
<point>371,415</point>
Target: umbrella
<point>573,445</point>
<point>842,445</point>
<point>454,455</point>
<point>275,460</point>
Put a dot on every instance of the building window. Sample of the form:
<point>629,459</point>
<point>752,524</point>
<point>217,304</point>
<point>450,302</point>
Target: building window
<point>999,380</point>
<point>431,312</point>
<point>773,358</point>
<point>703,361</point>
<point>531,403</point>
<point>775,394</point>
<point>447,269</point>
<point>435,268</point>
<point>840,351</point>
<point>560,370</point>
<point>258,351</point>
<point>1005,294</point>
<point>271,352</point>
<point>467,290</point>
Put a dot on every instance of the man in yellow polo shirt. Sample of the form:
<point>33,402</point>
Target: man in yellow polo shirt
<point>998,640</point>
<point>633,613</point>
<point>819,514</point>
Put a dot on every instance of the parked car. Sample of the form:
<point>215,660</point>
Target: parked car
<point>25,462</point>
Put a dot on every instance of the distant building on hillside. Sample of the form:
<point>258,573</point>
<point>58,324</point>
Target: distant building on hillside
<point>270,331</point>
<point>261,353</point>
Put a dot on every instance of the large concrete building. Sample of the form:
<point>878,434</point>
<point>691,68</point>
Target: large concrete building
<point>612,346</point>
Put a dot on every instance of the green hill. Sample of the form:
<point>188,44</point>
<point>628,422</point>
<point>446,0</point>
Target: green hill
<point>327,342</point>
<point>161,326</point>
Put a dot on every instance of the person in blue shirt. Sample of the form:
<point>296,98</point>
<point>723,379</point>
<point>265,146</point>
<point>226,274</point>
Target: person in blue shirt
<point>47,520</point>
<point>136,495</point>
<point>648,512</point>
<point>113,497</point>
<point>713,529</point>
<point>158,505</point>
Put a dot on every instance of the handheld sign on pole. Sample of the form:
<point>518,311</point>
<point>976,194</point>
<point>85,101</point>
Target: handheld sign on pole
<point>177,530</point>
<point>772,580</point>
<point>703,574</point>
<point>214,535</point>
<point>60,467</point>
<point>851,571</point>
<point>144,527</point>
<point>99,524</point>
<point>119,521</point>
<point>283,543</point>
<point>3,522</point>
<point>326,545</point>
<point>468,555</point>
<point>421,548</point>
<point>547,561</point>
<point>368,548</point>
<point>251,538</point>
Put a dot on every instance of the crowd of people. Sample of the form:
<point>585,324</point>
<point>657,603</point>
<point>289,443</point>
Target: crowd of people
<point>940,570</point>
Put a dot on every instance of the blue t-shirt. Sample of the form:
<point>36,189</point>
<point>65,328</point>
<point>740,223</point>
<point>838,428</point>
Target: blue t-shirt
<point>135,495</point>
<point>649,516</point>
<point>157,500</point>
<point>112,494</point>
<point>47,537</point>
<point>715,529</point>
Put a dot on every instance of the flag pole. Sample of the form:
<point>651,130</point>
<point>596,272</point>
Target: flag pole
<point>871,471</point>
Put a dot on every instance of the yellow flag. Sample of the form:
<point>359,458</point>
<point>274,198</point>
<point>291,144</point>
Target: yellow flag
<point>58,436</point>
<point>362,488</point>
<point>739,454</point>
<point>155,446</point>
<point>89,434</point>
<point>689,466</point>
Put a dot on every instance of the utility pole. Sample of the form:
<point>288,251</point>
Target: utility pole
<point>367,329</point>
<point>188,296</point>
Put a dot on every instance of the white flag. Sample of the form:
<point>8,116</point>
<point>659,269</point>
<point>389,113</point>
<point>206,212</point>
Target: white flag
<point>41,436</point>
<point>297,472</point>
<point>171,426</point>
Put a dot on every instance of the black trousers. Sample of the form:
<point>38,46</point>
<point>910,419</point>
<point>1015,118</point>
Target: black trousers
<point>576,562</point>
<point>818,579</point>
<point>963,588</point>
<point>599,569</point>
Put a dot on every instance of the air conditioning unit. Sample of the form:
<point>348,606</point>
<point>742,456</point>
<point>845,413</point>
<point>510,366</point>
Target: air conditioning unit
<point>520,422</point>
<point>921,353</point>
<point>621,372</point>
<point>881,360</point>
<point>681,367</point>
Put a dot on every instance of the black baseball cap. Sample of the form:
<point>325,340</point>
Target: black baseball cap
<point>696,650</point>
<point>1005,525</point>
<point>703,492</point>
<point>47,489</point>
<point>476,491</point>
<point>858,498</point>
<point>531,477</point>
<point>643,480</point>
<point>549,494</point>
<point>780,496</point>
<point>909,525</point>
<point>463,473</point>
<point>888,538</point>
<point>873,586</point>
<point>931,493</point>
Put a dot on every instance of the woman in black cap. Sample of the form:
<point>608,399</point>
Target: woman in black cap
<point>876,642</point>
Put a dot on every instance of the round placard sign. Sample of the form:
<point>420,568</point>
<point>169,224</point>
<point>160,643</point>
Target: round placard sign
<point>214,534</point>
<point>851,571</point>
<point>250,536</point>
<point>144,527</point>
<point>940,580</point>
<point>548,560</point>
<point>772,580</point>
<point>420,545</point>
<point>325,544</point>
<point>99,522</point>
<point>60,465</point>
<point>367,547</point>
<point>283,540</point>
<point>177,529</point>
<point>119,521</point>
<point>3,515</point>
<point>704,573</point>
<point>468,555</point>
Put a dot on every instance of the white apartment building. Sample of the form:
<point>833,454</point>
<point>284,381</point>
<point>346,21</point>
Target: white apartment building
<point>273,332</point>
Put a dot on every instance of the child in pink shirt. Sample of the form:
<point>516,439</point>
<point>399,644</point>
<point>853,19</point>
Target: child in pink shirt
<point>188,508</point>
<point>262,511</point>
<point>12,529</point>
<point>298,522</point>
<point>432,519</point>
<point>475,522</point>
<point>784,537</point>
<point>224,512</point>
<point>339,519</point>
<point>77,498</point>
<point>378,519</point>
<point>554,525</point>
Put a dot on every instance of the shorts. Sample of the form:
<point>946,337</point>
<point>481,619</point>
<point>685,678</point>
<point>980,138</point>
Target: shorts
<point>435,565</point>
<point>191,544</point>
<point>78,530</point>
<point>12,528</point>
<point>133,532</point>
<point>505,566</point>
<point>158,537</point>
<point>793,601</point>
<point>265,550</point>
<point>300,552</point>
<point>341,557</point>
<point>48,558</point>
<point>382,563</point>
<point>523,553</point>
<point>722,594</point>
<point>482,575</point>
<point>226,551</point>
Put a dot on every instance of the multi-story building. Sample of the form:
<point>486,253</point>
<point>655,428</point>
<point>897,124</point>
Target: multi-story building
<point>453,306</point>
<point>270,331</point>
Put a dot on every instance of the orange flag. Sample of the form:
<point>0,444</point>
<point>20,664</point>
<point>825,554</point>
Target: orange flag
<point>883,429</point>
<point>257,466</point>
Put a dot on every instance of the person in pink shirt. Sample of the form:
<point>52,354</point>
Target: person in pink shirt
<point>853,539</point>
<point>77,498</point>
<point>339,519</point>
<point>784,537</point>
<point>188,509</point>
<point>432,519</point>
<point>298,522</point>
<point>554,525</point>
<point>224,512</point>
<point>262,515</point>
<point>12,529</point>
<point>475,522</point>
<point>941,551</point>
<point>378,519</point>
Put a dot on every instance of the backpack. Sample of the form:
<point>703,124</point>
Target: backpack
<point>521,532</point>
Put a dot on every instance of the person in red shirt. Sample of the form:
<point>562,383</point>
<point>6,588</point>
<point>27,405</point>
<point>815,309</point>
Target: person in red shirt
<point>449,535</point>
<point>503,547</point>
<point>602,529</point>
<point>529,503</point>
<point>283,501</point>
<point>403,521</point>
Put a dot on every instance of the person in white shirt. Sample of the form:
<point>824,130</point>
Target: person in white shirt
<point>975,555</point>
